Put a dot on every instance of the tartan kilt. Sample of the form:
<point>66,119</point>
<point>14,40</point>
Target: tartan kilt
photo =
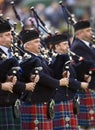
<point>64,116</point>
<point>34,117</point>
<point>7,120</point>
<point>86,116</point>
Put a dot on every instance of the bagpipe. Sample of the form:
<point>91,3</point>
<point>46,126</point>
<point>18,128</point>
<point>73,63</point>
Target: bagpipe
<point>39,24</point>
<point>68,17</point>
<point>70,20</point>
<point>82,66</point>
<point>76,98</point>
<point>30,67</point>
<point>44,32</point>
<point>17,44</point>
<point>8,66</point>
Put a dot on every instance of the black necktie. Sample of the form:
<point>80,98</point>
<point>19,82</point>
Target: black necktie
<point>44,64</point>
<point>90,45</point>
<point>9,53</point>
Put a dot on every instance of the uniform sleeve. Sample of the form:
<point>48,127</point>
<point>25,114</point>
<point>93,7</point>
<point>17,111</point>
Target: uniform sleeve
<point>19,87</point>
<point>74,84</point>
<point>48,81</point>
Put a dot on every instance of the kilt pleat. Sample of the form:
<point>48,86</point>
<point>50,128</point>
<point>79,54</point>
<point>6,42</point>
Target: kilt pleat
<point>64,116</point>
<point>34,117</point>
<point>86,116</point>
<point>7,120</point>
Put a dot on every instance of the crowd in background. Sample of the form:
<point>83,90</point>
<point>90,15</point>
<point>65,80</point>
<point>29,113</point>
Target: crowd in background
<point>65,83</point>
<point>50,13</point>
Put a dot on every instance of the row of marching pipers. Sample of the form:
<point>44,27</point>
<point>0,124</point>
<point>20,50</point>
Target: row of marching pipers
<point>47,89</point>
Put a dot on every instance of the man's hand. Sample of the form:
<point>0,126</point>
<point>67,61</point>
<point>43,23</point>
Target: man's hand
<point>87,78</point>
<point>12,79</point>
<point>34,78</point>
<point>84,86</point>
<point>64,82</point>
<point>7,86</point>
<point>66,74</point>
<point>30,86</point>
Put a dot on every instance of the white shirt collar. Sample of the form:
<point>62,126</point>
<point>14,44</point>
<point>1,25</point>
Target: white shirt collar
<point>86,43</point>
<point>5,49</point>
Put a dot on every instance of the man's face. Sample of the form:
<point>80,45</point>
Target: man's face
<point>86,34</point>
<point>6,39</point>
<point>33,46</point>
<point>62,47</point>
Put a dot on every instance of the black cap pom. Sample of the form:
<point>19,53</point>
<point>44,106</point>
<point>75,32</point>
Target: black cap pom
<point>28,35</point>
<point>28,68</point>
<point>6,68</point>
<point>81,25</point>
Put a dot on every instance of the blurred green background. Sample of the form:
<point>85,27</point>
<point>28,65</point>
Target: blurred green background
<point>49,11</point>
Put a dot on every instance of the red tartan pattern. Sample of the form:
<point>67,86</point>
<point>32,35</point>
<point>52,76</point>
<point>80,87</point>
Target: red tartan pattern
<point>37,112</point>
<point>62,110</point>
<point>86,116</point>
